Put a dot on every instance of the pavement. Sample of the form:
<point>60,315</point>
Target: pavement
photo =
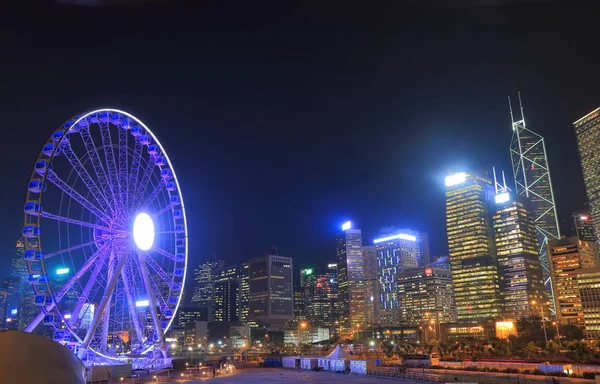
<point>287,376</point>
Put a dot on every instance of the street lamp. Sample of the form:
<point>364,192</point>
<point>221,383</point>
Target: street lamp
<point>533,302</point>
<point>300,325</point>
<point>557,331</point>
<point>192,352</point>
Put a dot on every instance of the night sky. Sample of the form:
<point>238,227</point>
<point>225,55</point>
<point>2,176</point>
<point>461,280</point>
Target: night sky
<point>285,119</point>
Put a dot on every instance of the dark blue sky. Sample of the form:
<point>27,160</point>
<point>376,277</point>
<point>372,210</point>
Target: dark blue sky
<point>284,119</point>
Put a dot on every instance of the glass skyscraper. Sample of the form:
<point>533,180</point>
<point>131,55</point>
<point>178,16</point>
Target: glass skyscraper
<point>521,277</point>
<point>397,251</point>
<point>204,281</point>
<point>587,130</point>
<point>532,180</point>
<point>471,245</point>
<point>351,293</point>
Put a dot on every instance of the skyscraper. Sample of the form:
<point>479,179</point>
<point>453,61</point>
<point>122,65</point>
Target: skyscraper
<point>397,251</point>
<point>27,310</point>
<point>567,255</point>
<point>532,180</point>
<point>351,293</point>
<point>372,286</point>
<point>583,226</point>
<point>425,294</point>
<point>521,277</point>
<point>320,296</point>
<point>227,294</point>
<point>204,281</point>
<point>271,290</point>
<point>471,245</point>
<point>587,130</point>
<point>588,283</point>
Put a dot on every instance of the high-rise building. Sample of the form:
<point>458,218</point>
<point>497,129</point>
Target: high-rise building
<point>567,255</point>
<point>351,294</point>
<point>11,287</point>
<point>521,277</point>
<point>193,313</point>
<point>27,309</point>
<point>471,245</point>
<point>425,294</point>
<point>244,292</point>
<point>397,251</point>
<point>532,180</point>
<point>587,130</point>
<point>372,286</point>
<point>227,299</point>
<point>204,282</point>
<point>320,297</point>
<point>271,290</point>
<point>299,312</point>
<point>588,283</point>
<point>583,226</point>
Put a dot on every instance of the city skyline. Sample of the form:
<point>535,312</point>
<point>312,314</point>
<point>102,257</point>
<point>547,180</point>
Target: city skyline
<point>441,116</point>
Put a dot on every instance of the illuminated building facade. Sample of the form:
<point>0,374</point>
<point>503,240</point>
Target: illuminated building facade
<point>27,309</point>
<point>397,251</point>
<point>320,297</point>
<point>588,283</point>
<point>351,293</point>
<point>567,255</point>
<point>587,130</point>
<point>204,282</point>
<point>532,180</point>
<point>193,313</point>
<point>271,285</point>
<point>471,247</point>
<point>372,286</point>
<point>425,294</point>
<point>521,277</point>
<point>583,226</point>
<point>227,294</point>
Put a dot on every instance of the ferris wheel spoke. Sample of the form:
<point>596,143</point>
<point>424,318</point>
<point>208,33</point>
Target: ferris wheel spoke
<point>92,152</point>
<point>111,165</point>
<point>165,253</point>
<point>110,287</point>
<point>158,270</point>
<point>159,187</point>
<point>124,166</point>
<point>83,174</point>
<point>106,313</point>
<point>125,274</point>
<point>163,210</point>
<point>162,304</point>
<point>143,183</point>
<point>73,248</point>
<point>52,216</point>
<point>85,294</point>
<point>64,289</point>
<point>66,188</point>
<point>147,286</point>
<point>135,168</point>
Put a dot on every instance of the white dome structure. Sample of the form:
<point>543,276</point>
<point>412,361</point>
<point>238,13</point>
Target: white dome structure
<point>27,358</point>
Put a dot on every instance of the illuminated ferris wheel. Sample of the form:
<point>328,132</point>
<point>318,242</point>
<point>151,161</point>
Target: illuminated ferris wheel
<point>105,237</point>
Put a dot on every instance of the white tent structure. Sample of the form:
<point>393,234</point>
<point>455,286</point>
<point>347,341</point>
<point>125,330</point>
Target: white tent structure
<point>338,353</point>
<point>28,358</point>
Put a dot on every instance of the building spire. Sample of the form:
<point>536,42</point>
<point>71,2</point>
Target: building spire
<point>522,114</point>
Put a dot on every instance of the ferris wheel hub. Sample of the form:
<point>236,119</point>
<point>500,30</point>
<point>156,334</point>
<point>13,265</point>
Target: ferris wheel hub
<point>143,231</point>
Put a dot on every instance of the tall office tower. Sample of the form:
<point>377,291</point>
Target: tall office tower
<point>226,298</point>
<point>193,313</point>
<point>423,239</point>
<point>11,286</point>
<point>299,312</point>
<point>521,277</point>
<point>567,255</point>
<point>351,294</point>
<point>588,283</point>
<point>320,296</point>
<point>587,130</point>
<point>271,290</point>
<point>27,309</point>
<point>204,281</point>
<point>471,245</point>
<point>372,289</point>
<point>532,180</point>
<point>397,251</point>
<point>244,292</point>
<point>425,294</point>
<point>583,227</point>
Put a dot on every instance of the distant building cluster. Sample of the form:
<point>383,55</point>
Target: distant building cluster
<point>506,260</point>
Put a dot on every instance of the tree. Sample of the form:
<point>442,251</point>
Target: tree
<point>388,350</point>
<point>570,332</point>
<point>578,351</point>
<point>553,348</point>
<point>531,349</point>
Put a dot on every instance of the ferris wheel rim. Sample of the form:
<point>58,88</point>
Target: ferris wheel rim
<point>77,119</point>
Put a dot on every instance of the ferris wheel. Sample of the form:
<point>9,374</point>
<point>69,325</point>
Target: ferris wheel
<point>105,237</point>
